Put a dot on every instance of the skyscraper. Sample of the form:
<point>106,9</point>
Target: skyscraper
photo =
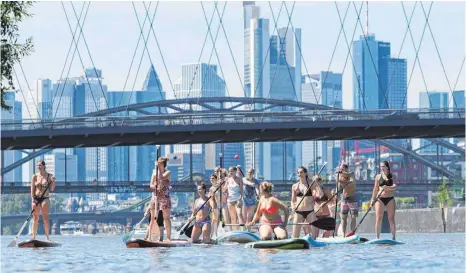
<point>198,80</point>
<point>397,84</point>
<point>10,157</point>
<point>323,88</point>
<point>370,76</point>
<point>435,102</point>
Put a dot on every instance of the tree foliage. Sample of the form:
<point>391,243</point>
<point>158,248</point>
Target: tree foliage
<point>11,49</point>
<point>444,197</point>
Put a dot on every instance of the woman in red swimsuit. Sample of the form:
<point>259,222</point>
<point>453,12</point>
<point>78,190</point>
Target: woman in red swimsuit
<point>268,207</point>
<point>387,182</point>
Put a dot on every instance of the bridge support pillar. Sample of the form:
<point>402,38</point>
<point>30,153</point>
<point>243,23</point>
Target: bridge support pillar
<point>129,224</point>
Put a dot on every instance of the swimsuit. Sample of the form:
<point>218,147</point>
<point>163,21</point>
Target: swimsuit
<point>249,193</point>
<point>39,199</point>
<point>303,213</point>
<point>163,192</point>
<point>206,220</point>
<point>233,192</point>
<point>383,182</point>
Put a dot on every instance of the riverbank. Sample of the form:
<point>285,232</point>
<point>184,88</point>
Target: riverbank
<point>419,221</point>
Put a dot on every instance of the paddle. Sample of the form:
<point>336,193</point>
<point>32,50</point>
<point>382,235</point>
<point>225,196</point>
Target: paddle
<point>367,212</point>
<point>13,243</point>
<point>327,223</point>
<point>152,224</point>
<point>184,228</point>
<point>129,234</point>
<point>309,187</point>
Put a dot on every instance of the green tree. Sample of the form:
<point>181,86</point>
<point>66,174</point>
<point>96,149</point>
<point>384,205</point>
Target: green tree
<point>444,195</point>
<point>11,49</point>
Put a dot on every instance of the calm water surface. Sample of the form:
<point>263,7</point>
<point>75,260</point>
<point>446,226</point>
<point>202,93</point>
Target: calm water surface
<point>421,253</point>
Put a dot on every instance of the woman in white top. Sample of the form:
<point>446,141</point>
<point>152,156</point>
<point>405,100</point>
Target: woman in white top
<point>235,195</point>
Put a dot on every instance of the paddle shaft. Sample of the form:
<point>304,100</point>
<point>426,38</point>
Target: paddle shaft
<point>310,186</point>
<point>367,212</point>
<point>183,229</point>
<point>32,212</point>
<point>326,202</point>
<point>336,202</point>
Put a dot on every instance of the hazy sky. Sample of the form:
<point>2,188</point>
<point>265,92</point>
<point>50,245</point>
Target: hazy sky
<point>111,31</point>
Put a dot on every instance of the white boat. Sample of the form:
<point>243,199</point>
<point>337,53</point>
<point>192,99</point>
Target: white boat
<point>72,228</point>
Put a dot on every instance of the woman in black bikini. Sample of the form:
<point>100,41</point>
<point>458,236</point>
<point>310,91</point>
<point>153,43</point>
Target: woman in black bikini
<point>304,212</point>
<point>40,189</point>
<point>387,182</point>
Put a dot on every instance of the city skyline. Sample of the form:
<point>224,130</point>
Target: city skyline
<point>114,76</point>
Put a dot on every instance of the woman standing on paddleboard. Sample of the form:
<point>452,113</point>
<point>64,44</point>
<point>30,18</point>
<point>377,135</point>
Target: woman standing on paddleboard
<point>269,207</point>
<point>250,192</point>
<point>203,223</point>
<point>160,184</point>
<point>42,183</point>
<point>235,195</point>
<point>303,213</point>
<point>321,195</point>
<point>386,181</point>
<point>223,205</point>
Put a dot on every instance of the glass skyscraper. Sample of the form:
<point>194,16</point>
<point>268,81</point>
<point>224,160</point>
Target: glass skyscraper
<point>10,157</point>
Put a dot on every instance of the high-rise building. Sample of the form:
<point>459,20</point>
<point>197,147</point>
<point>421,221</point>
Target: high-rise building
<point>323,88</point>
<point>198,80</point>
<point>370,76</point>
<point>10,157</point>
<point>63,167</point>
<point>397,84</point>
<point>135,163</point>
<point>90,96</point>
<point>435,102</point>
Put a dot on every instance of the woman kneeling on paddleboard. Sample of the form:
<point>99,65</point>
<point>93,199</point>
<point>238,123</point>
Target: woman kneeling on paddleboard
<point>268,207</point>
<point>40,198</point>
<point>203,223</point>
<point>386,181</point>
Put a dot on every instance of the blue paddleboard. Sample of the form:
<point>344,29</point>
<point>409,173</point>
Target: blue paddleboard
<point>383,242</point>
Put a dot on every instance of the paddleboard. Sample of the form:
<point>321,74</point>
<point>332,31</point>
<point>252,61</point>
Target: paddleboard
<point>383,242</point>
<point>38,243</point>
<point>339,240</point>
<point>294,243</point>
<point>238,236</point>
<point>137,243</point>
<point>313,242</point>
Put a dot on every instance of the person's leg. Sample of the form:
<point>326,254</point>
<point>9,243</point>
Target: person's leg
<point>265,232</point>
<point>391,207</point>
<point>379,208</point>
<point>35,220</point>
<point>280,233</point>
<point>206,233</point>
<point>354,214</point>
<point>45,217</point>
<point>233,216</point>
<point>296,230</point>
<point>196,233</point>
<point>344,216</point>
<point>168,223</point>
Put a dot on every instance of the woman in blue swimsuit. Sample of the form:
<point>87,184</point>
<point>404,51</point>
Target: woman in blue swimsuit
<point>203,222</point>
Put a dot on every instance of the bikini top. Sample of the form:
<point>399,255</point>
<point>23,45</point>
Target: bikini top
<point>299,193</point>
<point>270,209</point>
<point>383,182</point>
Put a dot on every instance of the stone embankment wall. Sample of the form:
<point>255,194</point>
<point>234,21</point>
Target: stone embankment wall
<point>419,221</point>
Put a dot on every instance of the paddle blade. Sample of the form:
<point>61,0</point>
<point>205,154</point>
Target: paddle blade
<point>189,231</point>
<point>351,233</point>
<point>12,243</point>
<point>327,223</point>
<point>127,236</point>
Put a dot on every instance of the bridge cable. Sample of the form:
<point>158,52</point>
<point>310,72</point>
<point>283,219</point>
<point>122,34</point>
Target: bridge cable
<point>278,64</point>
<point>72,58</point>
<point>333,54</point>
<point>348,55</point>
<point>161,54</point>
<point>200,55</point>
<point>24,99</point>
<point>231,51</point>
<point>132,59</point>
<point>416,50</point>
<point>265,60</point>
<point>373,63</point>
<point>90,56</point>
<point>145,49</point>
<point>82,63</point>
<point>440,57</point>
<point>214,48</point>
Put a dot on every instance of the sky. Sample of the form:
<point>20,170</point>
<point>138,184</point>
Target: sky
<point>111,33</point>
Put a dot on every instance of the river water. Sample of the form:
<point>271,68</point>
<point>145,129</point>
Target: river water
<point>421,253</point>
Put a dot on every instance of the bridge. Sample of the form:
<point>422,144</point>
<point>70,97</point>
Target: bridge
<point>217,124</point>
<point>405,188</point>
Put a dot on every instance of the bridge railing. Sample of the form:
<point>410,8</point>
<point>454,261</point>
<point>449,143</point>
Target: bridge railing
<point>213,117</point>
<point>276,182</point>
